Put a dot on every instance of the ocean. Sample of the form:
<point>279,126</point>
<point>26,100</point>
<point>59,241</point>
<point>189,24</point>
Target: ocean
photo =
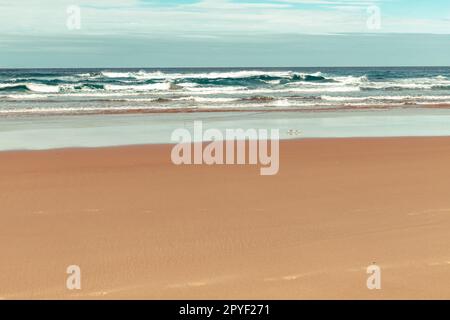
<point>109,91</point>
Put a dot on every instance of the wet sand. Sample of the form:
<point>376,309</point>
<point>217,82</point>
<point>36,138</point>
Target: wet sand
<point>141,227</point>
<point>168,110</point>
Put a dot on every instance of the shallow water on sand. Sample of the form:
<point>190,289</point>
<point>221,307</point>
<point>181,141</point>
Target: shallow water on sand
<point>37,132</point>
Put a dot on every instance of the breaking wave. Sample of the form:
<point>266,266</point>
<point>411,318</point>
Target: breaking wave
<point>128,89</point>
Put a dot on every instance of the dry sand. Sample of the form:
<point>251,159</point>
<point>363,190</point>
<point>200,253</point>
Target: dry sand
<point>140,227</point>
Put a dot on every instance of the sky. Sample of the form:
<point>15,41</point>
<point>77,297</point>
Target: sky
<point>223,33</point>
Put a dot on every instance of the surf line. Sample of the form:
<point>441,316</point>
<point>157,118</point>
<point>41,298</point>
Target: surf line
<point>213,147</point>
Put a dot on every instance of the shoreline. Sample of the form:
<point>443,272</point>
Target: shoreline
<point>270,109</point>
<point>45,133</point>
<point>142,228</point>
<point>170,145</point>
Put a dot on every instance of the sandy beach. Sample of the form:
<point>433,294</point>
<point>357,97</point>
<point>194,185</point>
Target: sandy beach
<point>142,228</point>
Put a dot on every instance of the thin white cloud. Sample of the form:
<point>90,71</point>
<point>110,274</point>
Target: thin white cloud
<point>207,18</point>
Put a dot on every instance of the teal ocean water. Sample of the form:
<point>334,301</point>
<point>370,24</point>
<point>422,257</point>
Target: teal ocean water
<point>58,108</point>
<point>97,91</point>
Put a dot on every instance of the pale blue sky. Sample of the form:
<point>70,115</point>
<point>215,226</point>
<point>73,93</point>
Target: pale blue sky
<point>183,33</point>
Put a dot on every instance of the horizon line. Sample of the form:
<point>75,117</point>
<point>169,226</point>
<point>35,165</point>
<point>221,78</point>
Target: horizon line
<point>233,67</point>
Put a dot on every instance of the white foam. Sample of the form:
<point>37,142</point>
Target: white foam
<point>42,88</point>
<point>26,96</point>
<point>386,98</point>
<point>203,100</point>
<point>36,87</point>
<point>145,87</point>
<point>207,75</point>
